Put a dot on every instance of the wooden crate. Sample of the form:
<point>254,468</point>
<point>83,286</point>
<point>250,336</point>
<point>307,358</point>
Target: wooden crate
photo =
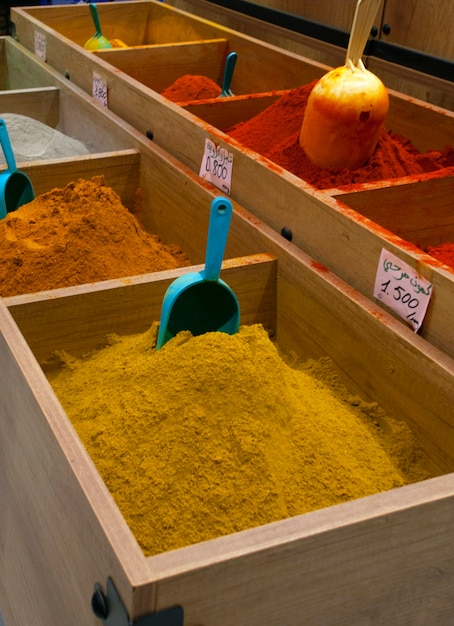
<point>269,192</point>
<point>387,557</point>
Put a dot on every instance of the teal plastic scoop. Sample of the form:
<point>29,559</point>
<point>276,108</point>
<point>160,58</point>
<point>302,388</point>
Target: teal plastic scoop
<point>200,301</point>
<point>230,63</point>
<point>16,188</point>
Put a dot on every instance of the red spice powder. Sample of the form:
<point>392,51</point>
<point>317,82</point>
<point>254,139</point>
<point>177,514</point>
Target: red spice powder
<point>191,87</point>
<point>274,133</point>
<point>443,253</point>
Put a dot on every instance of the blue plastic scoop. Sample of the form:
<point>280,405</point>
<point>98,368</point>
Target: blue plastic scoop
<point>200,301</point>
<point>16,188</point>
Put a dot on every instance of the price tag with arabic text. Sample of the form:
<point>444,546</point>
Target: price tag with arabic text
<point>217,165</point>
<point>402,289</point>
<point>99,91</point>
<point>40,45</point>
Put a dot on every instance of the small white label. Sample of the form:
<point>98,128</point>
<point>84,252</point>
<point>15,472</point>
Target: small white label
<point>217,165</point>
<point>402,289</point>
<point>40,45</point>
<point>100,89</point>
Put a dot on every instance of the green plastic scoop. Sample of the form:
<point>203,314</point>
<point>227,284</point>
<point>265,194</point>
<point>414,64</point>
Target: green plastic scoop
<point>16,188</point>
<point>97,41</point>
<point>200,301</point>
<point>229,67</point>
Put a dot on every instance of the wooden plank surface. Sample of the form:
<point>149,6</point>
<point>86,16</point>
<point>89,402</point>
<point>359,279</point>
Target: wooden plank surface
<point>337,15</point>
<point>415,84</point>
<point>19,70</point>
<point>386,559</point>
<point>230,111</point>
<point>306,46</point>
<point>121,171</point>
<point>40,103</point>
<point>420,212</point>
<point>425,27</point>
<point>60,530</point>
<point>428,126</point>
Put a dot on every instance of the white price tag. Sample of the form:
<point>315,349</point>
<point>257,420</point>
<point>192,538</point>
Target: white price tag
<point>40,45</point>
<point>217,165</point>
<point>100,89</point>
<point>400,287</point>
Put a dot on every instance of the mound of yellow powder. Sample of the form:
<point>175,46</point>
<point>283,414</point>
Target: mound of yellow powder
<point>77,234</point>
<point>215,434</point>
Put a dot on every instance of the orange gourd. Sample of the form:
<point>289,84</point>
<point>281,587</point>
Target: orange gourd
<point>347,106</point>
<point>343,117</point>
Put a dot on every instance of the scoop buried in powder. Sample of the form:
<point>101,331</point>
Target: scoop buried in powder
<point>200,301</point>
<point>98,41</point>
<point>347,106</point>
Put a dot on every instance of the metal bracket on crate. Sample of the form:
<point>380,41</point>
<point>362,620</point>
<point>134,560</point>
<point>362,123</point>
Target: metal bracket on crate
<point>108,606</point>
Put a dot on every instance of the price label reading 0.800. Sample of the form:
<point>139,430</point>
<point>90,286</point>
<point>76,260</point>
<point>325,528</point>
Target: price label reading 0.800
<point>216,166</point>
<point>402,289</point>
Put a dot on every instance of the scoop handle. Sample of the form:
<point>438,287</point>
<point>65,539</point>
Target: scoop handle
<point>218,231</point>
<point>363,20</point>
<point>230,63</point>
<point>95,18</point>
<point>6,147</point>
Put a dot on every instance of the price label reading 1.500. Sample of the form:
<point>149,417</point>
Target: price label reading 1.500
<point>402,289</point>
<point>216,166</point>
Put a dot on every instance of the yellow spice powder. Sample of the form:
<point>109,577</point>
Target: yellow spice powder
<point>216,434</point>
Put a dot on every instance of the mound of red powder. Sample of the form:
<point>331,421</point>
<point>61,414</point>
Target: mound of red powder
<point>191,87</point>
<point>274,133</point>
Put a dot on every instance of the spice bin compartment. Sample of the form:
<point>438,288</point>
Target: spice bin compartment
<point>418,211</point>
<point>159,67</point>
<point>60,517</point>
<point>133,23</point>
<point>48,111</point>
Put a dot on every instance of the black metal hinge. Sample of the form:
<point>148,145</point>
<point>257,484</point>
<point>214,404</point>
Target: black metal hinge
<point>108,606</point>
